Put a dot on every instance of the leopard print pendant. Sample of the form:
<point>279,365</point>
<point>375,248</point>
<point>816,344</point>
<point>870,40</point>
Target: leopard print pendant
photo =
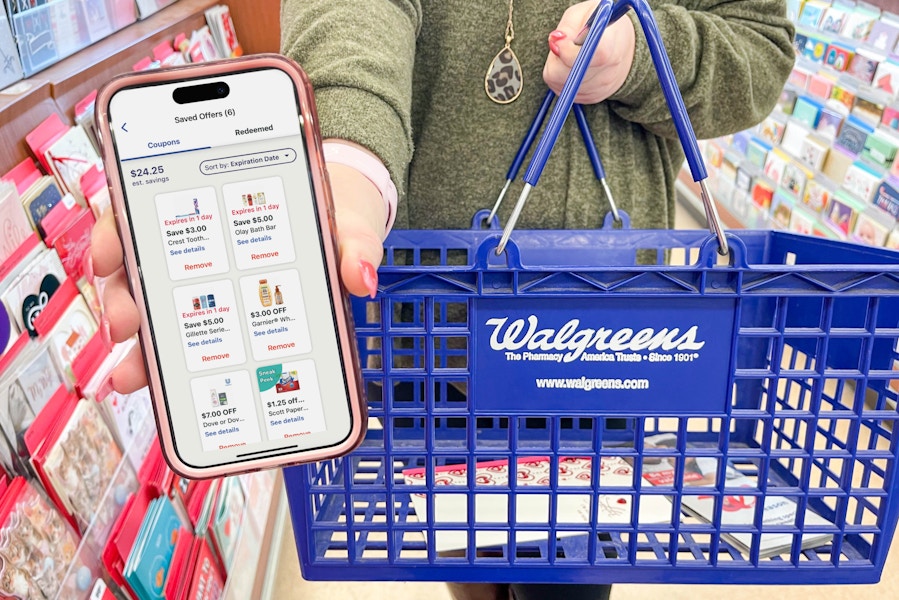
<point>503,80</point>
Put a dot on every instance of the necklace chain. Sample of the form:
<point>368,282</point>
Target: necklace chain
<point>510,28</point>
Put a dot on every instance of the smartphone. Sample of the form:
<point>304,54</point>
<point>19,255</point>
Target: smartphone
<point>222,203</point>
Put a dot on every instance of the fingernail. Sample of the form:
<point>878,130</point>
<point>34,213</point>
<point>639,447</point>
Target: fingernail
<point>104,331</point>
<point>87,267</point>
<point>554,47</point>
<point>370,277</point>
<point>106,388</point>
<point>557,35</point>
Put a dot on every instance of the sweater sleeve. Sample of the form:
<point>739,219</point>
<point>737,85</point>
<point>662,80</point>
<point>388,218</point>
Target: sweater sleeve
<point>730,59</point>
<point>359,58</point>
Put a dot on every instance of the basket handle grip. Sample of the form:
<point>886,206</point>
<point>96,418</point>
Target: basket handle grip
<point>608,11</point>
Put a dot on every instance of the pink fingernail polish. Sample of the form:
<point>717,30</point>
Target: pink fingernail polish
<point>370,277</point>
<point>87,267</point>
<point>557,35</point>
<point>106,388</point>
<point>104,331</point>
<point>554,47</point>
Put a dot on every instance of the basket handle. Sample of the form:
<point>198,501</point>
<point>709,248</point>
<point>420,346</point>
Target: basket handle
<point>608,11</point>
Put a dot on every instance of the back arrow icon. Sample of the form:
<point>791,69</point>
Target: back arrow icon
<point>123,127</point>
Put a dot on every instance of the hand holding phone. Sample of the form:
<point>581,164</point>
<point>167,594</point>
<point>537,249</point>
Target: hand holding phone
<point>222,205</point>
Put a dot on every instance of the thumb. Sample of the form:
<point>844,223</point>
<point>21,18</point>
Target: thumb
<point>570,25</point>
<point>360,216</point>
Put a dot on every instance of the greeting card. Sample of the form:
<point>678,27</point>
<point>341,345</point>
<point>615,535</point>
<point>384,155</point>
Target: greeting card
<point>70,157</point>
<point>794,178</point>
<point>69,332</point>
<point>794,9</point>
<point>859,23</point>
<point>786,101</point>
<point>884,35</point>
<point>36,545</point>
<point>890,117</point>
<point>836,164</point>
<point>838,56</point>
<point>35,376</point>
<point>886,77</point>
<point>812,13</point>
<point>34,35</point>
<point>757,152</point>
<point>70,30</point>
<point>807,111</point>
<point>840,214</point>
<point>738,509</point>
<point>150,557</point>
<point>794,134</point>
<point>886,197</point>
<point>815,49</point>
<point>813,153</point>
<point>863,65</point>
<point>831,120</point>
<point>817,194</point>
<point>892,243</point>
<point>222,29</point>
<point>801,221</point>
<point>206,580</point>
<point>13,221</point>
<point>228,519</point>
<point>41,198</point>
<point>781,209</point>
<point>10,66</point>
<point>861,181</point>
<point>881,148</point>
<point>799,42</point>
<point>774,165</point>
<point>82,460</point>
<point>771,130</point>
<point>853,135</point>
<point>714,154</point>
<point>96,19</point>
<point>872,226</point>
<point>833,19</point>
<point>762,194</point>
<point>16,416</point>
<point>821,85</point>
<point>29,294</point>
<point>532,472</point>
<point>844,94</point>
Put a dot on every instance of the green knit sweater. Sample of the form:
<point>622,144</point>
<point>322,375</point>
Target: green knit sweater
<point>405,78</point>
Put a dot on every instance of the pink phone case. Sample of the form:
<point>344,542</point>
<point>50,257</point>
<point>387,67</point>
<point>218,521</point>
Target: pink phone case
<point>322,197</point>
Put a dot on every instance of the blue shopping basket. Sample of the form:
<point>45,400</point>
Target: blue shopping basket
<point>776,365</point>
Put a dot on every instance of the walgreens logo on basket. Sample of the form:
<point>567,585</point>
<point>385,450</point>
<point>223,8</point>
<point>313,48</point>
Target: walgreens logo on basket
<point>611,354</point>
<point>524,339</point>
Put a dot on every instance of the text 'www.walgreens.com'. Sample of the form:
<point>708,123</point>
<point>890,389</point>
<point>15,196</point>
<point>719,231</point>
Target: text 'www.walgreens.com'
<point>588,384</point>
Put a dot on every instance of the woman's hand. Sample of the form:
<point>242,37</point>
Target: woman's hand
<point>120,317</point>
<point>611,62</point>
<point>360,219</point>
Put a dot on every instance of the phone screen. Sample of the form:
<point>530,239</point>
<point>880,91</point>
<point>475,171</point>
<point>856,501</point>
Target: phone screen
<point>220,205</point>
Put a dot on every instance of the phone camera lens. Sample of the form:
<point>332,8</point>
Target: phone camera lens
<point>221,89</point>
